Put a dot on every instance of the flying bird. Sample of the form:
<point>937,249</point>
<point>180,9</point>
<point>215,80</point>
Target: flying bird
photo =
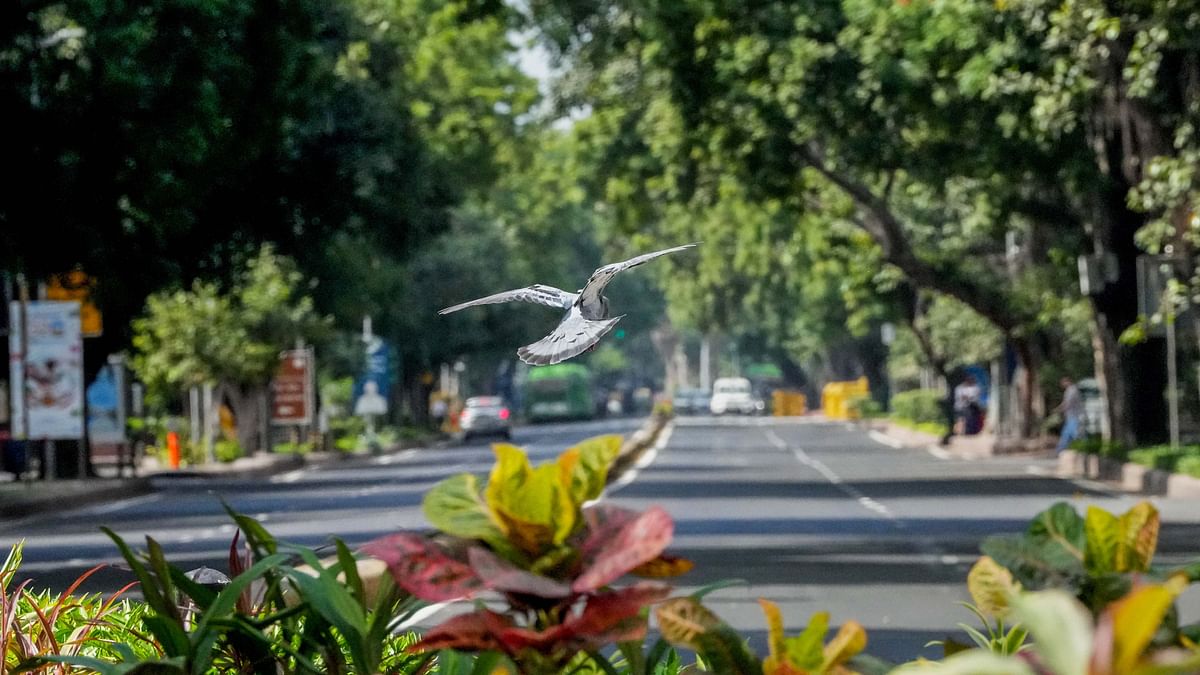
<point>586,319</point>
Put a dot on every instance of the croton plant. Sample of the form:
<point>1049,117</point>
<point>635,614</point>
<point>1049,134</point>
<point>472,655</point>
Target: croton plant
<point>537,537</point>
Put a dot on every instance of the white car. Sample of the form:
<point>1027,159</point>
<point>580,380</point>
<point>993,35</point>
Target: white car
<point>733,395</point>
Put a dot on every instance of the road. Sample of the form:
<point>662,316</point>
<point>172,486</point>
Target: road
<point>813,515</point>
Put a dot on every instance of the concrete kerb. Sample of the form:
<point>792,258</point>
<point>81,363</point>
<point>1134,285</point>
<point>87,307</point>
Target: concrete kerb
<point>1128,476</point>
<point>636,446</point>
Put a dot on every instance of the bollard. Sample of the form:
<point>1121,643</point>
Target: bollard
<point>173,449</point>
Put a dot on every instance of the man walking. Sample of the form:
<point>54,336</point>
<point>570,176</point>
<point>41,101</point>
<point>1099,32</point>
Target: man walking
<point>1072,412</point>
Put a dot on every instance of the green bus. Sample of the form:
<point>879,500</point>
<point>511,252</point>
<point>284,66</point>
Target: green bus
<point>559,392</point>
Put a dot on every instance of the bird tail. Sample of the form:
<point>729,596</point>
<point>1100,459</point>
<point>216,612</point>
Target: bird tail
<point>570,339</point>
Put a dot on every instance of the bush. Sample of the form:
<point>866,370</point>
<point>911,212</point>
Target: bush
<point>1189,465</point>
<point>1098,446</point>
<point>864,407</point>
<point>1162,456</point>
<point>227,450</point>
<point>919,406</point>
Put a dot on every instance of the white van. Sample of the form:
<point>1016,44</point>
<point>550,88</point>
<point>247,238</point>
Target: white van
<point>732,395</point>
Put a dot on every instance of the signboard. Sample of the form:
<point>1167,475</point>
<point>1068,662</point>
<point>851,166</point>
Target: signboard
<point>46,354</point>
<point>292,400</point>
<point>106,414</point>
<point>77,286</point>
<point>371,390</point>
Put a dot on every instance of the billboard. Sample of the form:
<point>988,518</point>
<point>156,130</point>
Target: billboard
<point>46,354</point>
<point>371,390</point>
<point>292,388</point>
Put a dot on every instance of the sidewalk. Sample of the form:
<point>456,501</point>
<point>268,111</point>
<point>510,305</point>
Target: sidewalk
<point>977,446</point>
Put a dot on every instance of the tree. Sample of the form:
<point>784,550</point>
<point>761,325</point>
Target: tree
<point>228,340</point>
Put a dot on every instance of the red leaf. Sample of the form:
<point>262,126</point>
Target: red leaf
<point>477,631</point>
<point>614,617</point>
<point>638,541</point>
<point>422,568</point>
<point>545,641</point>
<point>502,575</point>
<point>604,521</point>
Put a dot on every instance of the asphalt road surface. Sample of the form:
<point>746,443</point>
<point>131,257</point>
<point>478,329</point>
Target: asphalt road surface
<point>813,515</point>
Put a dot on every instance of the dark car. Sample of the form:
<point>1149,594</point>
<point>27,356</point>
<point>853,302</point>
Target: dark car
<point>484,415</point>
<point>691,402</point>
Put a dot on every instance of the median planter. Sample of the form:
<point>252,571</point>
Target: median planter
<point>1130,476</point>
<point>1139,478</point>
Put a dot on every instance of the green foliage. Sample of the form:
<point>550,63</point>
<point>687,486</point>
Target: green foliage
<point>228,450</point>
<point>205,336</point>
<point>1164,457</point>
<point>921,406</point>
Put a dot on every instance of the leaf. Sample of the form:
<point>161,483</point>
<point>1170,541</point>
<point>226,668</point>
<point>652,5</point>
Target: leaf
<point>422,568</point>
<point>776,646</point>
<point>1103,540</point>
<point>1061,629</point>
<point>805,651</point>
<point>615,616</point>
<point>663,566</point>
<point>502,576</point>
<point>590,474</point>
<point>990,586</point>
<point>1136,617</point>
<point>602,522</point>
<point>1034,564</point>
<point>476,631</point>
<point>1061,526</point>
<point>639,541</point>
<point>455,507</point>
<point>683,620</point>
<point>533,506</point>
<point>972,662</point>
<point>851,639</point>
<point>1139,538</point>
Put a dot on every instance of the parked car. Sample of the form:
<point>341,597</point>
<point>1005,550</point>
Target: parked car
<point>733,395</point>
<point>691,401</point>
<point>484,415</point>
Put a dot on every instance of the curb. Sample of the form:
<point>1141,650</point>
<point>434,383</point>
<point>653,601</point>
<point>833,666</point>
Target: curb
<point>638,443</point>
<point>125,488</point>
<point>1128,476</point>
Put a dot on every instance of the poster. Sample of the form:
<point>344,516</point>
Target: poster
<point>106,414</point>
<point>47,355</point>
<point>371,390</point>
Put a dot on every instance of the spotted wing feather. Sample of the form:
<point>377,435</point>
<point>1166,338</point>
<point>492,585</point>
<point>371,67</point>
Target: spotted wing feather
<point>537,293</point>
<point>573,336</point>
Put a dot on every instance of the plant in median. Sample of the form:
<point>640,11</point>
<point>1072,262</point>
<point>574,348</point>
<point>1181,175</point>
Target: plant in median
<point>531,535</point>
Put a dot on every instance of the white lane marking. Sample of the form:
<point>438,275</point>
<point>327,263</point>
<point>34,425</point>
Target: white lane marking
<point>398,457</point>
<point>884,439</point>
<point>122,504</point>
<point>289,477</point>
<point>939,452</point>
<point>829,475</point>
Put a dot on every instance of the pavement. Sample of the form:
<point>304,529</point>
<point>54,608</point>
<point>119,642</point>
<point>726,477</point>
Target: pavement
<point>814,515</point>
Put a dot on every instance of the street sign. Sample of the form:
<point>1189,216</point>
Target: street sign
<point>77,286</point>
<point>46,355</point>
<point>292,388</point>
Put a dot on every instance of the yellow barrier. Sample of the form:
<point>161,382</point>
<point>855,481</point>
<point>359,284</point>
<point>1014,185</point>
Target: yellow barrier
<point>836,397</point>
<point>788,403</point>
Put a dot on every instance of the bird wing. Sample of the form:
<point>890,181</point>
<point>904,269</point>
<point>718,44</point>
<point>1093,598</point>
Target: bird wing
<point>542,295</point>
<point>573,336</point>
<point>595,284</point>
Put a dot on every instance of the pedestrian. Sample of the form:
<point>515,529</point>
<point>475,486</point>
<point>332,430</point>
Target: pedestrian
<point>1071,409</point>
<point>438,410</point>
<point>966,405</point>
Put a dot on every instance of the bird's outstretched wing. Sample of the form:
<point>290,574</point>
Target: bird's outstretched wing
<point>595,284</point>
<point>573,336</point>
<point>542,295</point>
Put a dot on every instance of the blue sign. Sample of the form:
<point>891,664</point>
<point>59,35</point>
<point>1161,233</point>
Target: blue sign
<point>104,422</point>
<point>377,372</point>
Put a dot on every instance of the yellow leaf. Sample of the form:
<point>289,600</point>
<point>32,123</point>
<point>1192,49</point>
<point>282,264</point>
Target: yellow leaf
<point>1136,617</point>
<point>851,639</point>
<point>510,471</point>
<point>596,456</point>
<point>1139,538</point>
<point>1103,535</point>
<point>774,628</point>
<point>990,586</point>
<point>663,567</point>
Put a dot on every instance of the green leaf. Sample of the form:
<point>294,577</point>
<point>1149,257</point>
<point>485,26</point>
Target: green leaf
<point>596,456</point>
<point>1060,526</point>
<point>1103,540</point>
<point>455,507</point>
<point>805,651</point>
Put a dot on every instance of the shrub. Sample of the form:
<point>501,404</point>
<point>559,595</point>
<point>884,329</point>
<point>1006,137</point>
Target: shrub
<point>1097,446</point>
<point>228,450</point>
<point>1161,456</point>
<point>1189,465</point>
<point>864,407</point>
<point>920,406</point>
